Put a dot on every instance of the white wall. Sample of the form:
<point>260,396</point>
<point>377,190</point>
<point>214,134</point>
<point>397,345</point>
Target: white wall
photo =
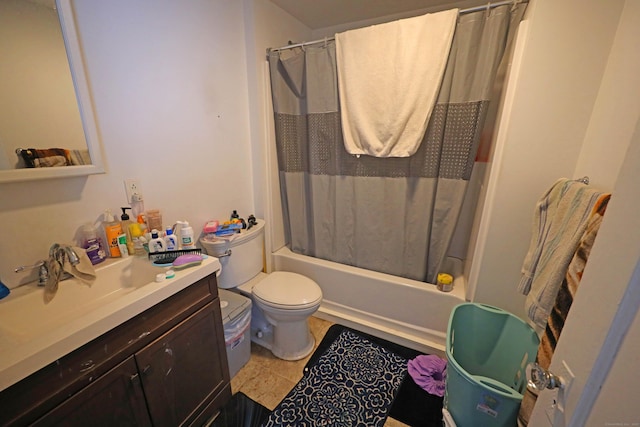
<point>169,81</point>
<point>563,63</point>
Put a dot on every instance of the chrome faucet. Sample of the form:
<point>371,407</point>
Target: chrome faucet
<point>54,265</point>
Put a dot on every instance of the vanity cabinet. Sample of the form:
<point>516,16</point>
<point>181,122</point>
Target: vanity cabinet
<point>165,367</point>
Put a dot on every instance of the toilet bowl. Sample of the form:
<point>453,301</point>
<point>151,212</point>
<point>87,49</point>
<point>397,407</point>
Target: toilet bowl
<point>282,301</point>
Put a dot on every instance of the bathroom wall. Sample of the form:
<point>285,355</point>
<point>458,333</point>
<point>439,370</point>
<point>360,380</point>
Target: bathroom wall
<point>170,91</point>
<point>543,133</point>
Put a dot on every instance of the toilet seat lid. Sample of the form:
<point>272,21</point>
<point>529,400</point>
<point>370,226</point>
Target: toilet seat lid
<point>283,288</point>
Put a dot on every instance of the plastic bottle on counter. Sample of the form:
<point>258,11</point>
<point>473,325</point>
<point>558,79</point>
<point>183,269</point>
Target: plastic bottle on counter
<point>92,244</point>
<point>112,230</point>
<point>125,223</point>
<point>187,240</point>
<point>156,244</point>
<point>170,240</point>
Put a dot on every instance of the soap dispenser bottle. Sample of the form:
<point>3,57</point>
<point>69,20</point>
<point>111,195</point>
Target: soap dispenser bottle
<point>126,224</point>
<point>112,230</point>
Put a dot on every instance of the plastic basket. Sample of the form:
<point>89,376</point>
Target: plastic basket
<point>487,352</point>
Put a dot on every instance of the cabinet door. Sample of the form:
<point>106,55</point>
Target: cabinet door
<point>183,371</point>
<point>114,399</point>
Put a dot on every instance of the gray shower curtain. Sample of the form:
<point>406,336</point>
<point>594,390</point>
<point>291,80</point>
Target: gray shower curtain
<point>393,215</point>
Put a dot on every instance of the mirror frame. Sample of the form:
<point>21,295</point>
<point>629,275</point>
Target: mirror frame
<point>66,16</point>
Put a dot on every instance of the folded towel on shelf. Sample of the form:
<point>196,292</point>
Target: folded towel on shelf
<point>389,76</point>
<point>560,219</point>
<point>46,157</point>
<point>79,157</point>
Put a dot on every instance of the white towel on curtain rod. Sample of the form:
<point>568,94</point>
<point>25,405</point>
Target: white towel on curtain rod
<point>388,80</point>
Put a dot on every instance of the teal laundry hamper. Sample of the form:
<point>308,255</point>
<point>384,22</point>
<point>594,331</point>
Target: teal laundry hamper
<point>487,352</point>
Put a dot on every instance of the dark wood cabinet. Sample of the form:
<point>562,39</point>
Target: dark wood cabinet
<point>165,367</point>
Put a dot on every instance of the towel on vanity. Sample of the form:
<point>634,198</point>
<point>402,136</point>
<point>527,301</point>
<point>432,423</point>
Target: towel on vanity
<point>560,219</point>
<point>82,271</point>
<point>389,76</point>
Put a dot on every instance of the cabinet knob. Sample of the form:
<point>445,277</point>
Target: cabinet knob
<point>135,378</point>
<point>146,370</point>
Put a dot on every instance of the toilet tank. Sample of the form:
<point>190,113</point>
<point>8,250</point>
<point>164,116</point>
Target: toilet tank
<point>241,256</point>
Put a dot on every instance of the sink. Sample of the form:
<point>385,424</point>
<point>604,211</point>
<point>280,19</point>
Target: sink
<point>24,314</point>
<point>34,333</point>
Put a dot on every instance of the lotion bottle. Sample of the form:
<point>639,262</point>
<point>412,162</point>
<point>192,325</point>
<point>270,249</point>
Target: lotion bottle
<point>186,236</point>
<point>156,244</point>
<point>170,240</point>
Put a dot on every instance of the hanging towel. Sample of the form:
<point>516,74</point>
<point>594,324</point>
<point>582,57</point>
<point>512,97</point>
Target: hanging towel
<point>563,303</point>
<point>560,220</point>
<point>389,76</point>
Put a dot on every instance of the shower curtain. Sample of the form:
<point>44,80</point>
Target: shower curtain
<point>393,215</point>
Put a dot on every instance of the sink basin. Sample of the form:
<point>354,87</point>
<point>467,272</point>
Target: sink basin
<point>34,333</point>
<point>24,314</point>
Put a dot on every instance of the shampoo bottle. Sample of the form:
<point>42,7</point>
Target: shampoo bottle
<point>170,240</point>
<point>112,230</point>
<point>125,223</point>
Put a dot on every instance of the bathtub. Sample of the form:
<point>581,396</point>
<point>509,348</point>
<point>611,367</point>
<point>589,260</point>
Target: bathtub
<point>404,311</point>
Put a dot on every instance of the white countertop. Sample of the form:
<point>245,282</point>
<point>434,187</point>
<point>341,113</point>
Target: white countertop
<point>34,334</point>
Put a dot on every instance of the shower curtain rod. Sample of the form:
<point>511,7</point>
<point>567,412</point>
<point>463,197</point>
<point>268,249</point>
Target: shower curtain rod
<point>461,12</point>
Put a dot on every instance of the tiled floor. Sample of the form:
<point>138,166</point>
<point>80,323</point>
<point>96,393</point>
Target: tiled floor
<point>267,379</point>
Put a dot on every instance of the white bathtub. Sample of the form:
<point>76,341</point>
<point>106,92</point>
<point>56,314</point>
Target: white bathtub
<point>404,311</point>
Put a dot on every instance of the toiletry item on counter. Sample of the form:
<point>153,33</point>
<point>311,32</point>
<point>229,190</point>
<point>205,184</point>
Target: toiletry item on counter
<point>187,239</point>
<point>137,205</point>
<point>156,244</point>
<point>170,240</point>
<point>4,291</point>
<point>154,219</point>
<point>137,236</point>
<point>92,244</point>
<point>210,226</point>
<point>112,230</point>
<point>185,261</point>
<point>122,245</point>
<point>125,222</point>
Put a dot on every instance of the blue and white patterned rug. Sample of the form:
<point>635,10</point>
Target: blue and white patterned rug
<point>353,384</point>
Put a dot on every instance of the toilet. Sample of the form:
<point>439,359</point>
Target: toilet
<point>282,301</point>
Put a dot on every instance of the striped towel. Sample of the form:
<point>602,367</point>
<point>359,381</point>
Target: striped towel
<point>560,220</point>
<point>565,297</point>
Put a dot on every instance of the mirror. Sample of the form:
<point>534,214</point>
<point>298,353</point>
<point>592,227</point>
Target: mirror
<point>44,94</point>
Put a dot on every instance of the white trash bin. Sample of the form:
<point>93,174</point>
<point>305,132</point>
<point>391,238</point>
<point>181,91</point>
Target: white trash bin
<point>236,318</point>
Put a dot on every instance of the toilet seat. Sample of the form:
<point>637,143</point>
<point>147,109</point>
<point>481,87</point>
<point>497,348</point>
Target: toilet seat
<point>287,291</point>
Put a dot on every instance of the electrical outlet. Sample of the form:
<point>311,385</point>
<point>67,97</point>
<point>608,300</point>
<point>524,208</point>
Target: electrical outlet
<point>132,187</point>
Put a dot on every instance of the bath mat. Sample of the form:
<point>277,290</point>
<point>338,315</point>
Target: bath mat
<point>412,406</point>
<point>353,383</point>
<point>241,411</point>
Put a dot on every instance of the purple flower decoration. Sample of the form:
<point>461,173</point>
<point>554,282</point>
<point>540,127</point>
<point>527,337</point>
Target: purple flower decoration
<point>429,372</point>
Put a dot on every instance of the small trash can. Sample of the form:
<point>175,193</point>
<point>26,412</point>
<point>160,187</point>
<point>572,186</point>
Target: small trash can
<point>487,352</point>
<point>236,318</point>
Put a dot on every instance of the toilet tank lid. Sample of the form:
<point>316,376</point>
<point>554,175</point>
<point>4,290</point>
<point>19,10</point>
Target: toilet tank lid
<point>285,288</point>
